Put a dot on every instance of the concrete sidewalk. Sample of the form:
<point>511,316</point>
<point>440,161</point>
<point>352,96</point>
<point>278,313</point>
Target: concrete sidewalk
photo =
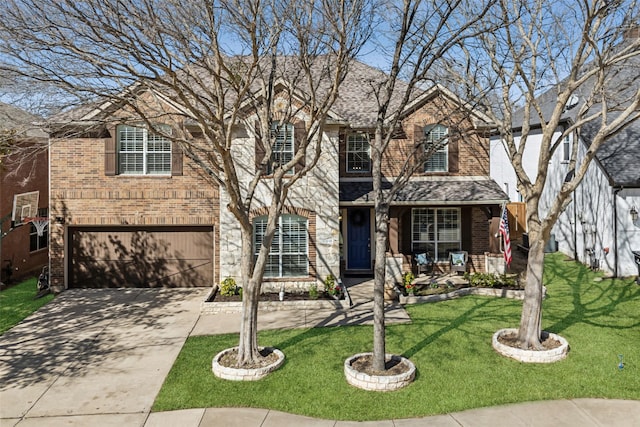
<point>99,357</point>
<point>556,413</point>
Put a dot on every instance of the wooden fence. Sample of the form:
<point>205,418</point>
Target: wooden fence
<point>517,219</point>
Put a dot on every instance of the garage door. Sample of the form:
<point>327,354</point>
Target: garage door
<point>141,257</point>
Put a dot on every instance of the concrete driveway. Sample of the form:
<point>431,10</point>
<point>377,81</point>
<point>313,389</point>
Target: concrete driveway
<point>94,356</point>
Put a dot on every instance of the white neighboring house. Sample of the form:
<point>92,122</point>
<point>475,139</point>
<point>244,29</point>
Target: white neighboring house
<point>600,227</point>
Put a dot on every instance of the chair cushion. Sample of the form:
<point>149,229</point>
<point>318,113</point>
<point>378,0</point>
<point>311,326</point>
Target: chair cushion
<point>457,259</point>
<point>421,259</point>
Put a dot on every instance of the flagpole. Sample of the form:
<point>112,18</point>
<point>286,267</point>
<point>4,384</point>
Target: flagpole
<point>504,205</point>
<point>504,236</point>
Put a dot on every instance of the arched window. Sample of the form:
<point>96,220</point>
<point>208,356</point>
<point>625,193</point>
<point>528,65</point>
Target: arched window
<point>436,148</point>
<point>288,256</point>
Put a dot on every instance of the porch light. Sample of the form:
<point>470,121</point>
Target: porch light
<point>634,214</point>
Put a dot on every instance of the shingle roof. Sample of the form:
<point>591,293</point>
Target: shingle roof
<point>464,191</point>
<point>620,154</point>
<point>357,103</point>
<point>20,121</point>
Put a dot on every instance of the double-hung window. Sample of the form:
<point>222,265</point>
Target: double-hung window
<point>288,255</point>
<point>283,146</point>
<point>436,148</point>
<point>38,242</point>
<point>358,153</point>
<point>143,152</point>
<point>436,231</point>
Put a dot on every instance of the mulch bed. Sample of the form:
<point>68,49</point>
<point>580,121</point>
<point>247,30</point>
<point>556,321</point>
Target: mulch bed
<point>230,359</point>
<point>394,366</point>
<point>511,340</point>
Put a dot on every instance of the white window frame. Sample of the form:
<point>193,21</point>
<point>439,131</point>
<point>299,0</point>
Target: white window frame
<point>144,144</point>
<point>437,135</point>
<point>282,150</point>
<point>41,242</point>
<point>566,149</point>
<point>436,237</point>
<point>281,248</point>
<point>358,159</point>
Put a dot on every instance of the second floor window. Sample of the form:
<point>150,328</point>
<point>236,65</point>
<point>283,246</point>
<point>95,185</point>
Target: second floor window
<point>436,147</point>
<point>282,150</point>
<point>358,153</point>
<point>142,152</point>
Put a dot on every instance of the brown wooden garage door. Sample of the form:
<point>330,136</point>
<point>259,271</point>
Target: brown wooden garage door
<point>140,257</point>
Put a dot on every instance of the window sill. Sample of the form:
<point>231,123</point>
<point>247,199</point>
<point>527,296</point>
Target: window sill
<point>289,279</point>
<point>124,175</point>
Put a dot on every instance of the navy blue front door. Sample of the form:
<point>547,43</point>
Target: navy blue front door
<point>358,239</point>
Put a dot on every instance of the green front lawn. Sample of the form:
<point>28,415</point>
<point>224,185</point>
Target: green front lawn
<point>450,343</point>
<point>16,303</point>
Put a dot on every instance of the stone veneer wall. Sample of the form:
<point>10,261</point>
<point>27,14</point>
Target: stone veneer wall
<point>316,193</point>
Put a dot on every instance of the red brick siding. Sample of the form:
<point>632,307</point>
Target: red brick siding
<point>83,195</point>
<point>22,174</point>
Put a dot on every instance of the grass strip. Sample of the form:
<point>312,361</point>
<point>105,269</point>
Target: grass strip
<point>17,303</point>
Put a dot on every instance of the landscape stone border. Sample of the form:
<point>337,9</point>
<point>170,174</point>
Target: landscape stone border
<point>489,292</point>
<point>378,382</point>
<point>244,374</point>
<point>236,306</point>
<point>530,356</point>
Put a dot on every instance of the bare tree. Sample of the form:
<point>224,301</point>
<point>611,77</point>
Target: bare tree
<point>222,64</point>
<point>420,33</point>
<point>550,63</point>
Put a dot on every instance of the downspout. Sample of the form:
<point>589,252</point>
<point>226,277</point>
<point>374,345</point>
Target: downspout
<point>615,230</point>
<point>575,227</point>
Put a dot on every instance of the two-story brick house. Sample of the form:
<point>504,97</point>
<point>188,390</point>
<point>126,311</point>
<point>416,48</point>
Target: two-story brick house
<point>124,216</point>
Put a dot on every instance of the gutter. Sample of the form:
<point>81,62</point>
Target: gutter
<point>369,202</point>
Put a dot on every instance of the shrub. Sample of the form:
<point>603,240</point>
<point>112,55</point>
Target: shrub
<point>489,280</point>
<point>331,287</point>
<point>313,291</point>
<point>228,287</point>
<point>407,280</point>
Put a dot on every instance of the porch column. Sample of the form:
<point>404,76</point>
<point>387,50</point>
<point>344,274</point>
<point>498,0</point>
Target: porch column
<point>393,232</point>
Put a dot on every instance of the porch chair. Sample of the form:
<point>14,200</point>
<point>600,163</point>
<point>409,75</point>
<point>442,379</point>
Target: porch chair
<point>458,261</point>
<point>424,263</point>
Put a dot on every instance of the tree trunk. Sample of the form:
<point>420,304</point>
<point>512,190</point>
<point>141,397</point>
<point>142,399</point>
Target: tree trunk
<point>531,318</point>
<point>248,344</point>
<point>381,236</point>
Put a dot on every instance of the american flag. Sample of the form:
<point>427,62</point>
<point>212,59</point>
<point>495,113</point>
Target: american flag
<point>504,230</point>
